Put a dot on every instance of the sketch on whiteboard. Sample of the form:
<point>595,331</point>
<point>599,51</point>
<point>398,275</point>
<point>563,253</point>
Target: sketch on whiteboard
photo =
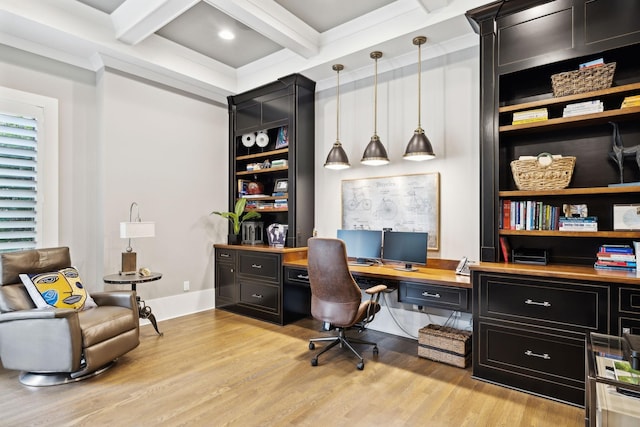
<point>402,203</point>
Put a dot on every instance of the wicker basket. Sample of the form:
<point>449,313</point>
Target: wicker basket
<point>445,344</point>
<point>543,174</point>
<point>585,80</point>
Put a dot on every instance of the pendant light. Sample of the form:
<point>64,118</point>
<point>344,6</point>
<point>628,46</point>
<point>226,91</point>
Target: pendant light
<point>375,154</point>
<point>337,158</point>
<point>419,147</point>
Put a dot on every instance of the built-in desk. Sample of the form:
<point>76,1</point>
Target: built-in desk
<point>434,286</point>
<point>272,284</point>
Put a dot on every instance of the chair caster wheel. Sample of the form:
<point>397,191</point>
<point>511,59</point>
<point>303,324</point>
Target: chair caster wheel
<point>311,346</point>
<point>314,362</point>
<point>360,366</point>
<point>375,350</point>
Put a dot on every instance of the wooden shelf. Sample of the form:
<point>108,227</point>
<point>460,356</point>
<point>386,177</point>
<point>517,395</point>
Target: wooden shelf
<point>567,122</point>
<point>258,171</point>
<point>548,233</point>
<point>263,154</point>
<point>566,99</point>
<point>272,210</point>
<point>265,197</point>
<point>571,191</point>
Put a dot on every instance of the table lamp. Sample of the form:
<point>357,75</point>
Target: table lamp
<point>132,230</point>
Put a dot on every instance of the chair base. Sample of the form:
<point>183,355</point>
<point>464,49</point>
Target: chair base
<point>45,379</point>
<point>344,342</point>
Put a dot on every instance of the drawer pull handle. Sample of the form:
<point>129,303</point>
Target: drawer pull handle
<point>427,294</point>
<point>302,276</point>
<point>224,255</point>
<point>256,266</point>
<point>257,296</point>
<point>542,356</point>
<point>544,304</point>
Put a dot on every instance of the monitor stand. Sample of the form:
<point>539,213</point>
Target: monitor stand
<point>362,262</point>
<point>407,267</point>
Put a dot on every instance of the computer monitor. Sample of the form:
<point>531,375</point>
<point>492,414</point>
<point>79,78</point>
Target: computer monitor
<point>362,245</point>
<point>408,247</point>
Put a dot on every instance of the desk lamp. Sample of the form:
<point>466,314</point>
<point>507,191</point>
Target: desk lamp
<point>132,230</point>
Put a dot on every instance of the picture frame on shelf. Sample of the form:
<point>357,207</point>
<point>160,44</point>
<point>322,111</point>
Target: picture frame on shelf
<point>282,140</point>
<point>281,186</point>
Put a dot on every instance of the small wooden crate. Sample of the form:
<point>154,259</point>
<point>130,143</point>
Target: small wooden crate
<point>445,344</point>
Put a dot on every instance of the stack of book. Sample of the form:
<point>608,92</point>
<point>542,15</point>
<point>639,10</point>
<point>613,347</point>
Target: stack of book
<point>572,223</point>
<point>530,116</point>
<point>281,204</point>
<point>586,107</point>
<point>616,257</point>
<point>631,101</point>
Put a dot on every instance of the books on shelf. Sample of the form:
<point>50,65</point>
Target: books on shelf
<point>588,223</point>
<point>586,107</point>
<point>528,215</point>
<point>631,101</point>
<point>529,116</point>
<point>616,257</point>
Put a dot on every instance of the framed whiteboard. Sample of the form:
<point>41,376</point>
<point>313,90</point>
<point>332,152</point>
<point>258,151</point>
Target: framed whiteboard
<point>402,203</point>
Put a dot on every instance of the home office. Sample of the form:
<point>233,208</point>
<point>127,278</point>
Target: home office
<point>135,125</point>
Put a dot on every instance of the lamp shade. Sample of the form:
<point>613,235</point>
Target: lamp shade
<point>135,229</point>
<point>375,154</point>
<point>419,147</point>
<point>337,158</point>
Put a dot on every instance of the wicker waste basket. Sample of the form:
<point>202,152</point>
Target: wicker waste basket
<point>544,172</point>
<point>445,344</point>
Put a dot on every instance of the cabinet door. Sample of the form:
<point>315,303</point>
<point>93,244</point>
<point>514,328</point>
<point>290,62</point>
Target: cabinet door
<point>225,284</point>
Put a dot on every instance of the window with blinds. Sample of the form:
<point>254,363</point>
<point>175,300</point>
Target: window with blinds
<point>18,182</point>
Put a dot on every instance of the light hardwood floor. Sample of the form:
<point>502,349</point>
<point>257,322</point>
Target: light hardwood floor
<point>219,369</point>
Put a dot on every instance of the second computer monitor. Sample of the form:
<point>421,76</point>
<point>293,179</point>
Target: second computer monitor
<point>362,245</point>
<point>407,247</point>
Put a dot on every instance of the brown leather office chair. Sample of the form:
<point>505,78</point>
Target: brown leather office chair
<point>336,299</point>
<point>58,345</point>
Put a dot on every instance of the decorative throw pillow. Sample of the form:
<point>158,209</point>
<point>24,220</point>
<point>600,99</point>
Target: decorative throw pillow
<point>61,289</point>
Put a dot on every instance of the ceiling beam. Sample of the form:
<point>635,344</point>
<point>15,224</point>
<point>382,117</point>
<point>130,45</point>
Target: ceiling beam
<point>274,22</point>
<point>135,20</point>
<point>431,5</point>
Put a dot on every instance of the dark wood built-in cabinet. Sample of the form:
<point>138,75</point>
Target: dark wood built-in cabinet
<point>530,326</point>
<point>285,104</point>
<point>249,278</point>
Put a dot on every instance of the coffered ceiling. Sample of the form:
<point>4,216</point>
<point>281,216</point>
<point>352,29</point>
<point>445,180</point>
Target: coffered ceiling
<point>178,42</point>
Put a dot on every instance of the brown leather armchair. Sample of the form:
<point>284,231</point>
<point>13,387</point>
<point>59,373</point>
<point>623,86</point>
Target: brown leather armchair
<point>336,299</point>
<point>52,345</point>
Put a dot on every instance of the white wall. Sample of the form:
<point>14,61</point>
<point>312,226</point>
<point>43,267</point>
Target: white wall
<point>450,114</point>
<point>124,140</point>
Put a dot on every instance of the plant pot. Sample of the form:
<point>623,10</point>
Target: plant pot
<point>233,239</point>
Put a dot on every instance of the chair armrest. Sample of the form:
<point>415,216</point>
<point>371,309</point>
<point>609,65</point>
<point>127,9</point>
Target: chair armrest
<point>376,289</point>
<point>37,313</point>
<point>125,299</point>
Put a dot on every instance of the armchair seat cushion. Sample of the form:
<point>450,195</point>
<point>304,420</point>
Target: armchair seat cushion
<point>104,322</point>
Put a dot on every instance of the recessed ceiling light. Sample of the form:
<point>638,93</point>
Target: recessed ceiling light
<point>226,35</point>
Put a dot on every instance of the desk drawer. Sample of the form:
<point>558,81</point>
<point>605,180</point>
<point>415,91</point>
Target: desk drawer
<point>260,295</point>
<point>434,296</point>
<point>225,255</point>
<point>553,303</point>
<point>546,363</point>
<point>296,276</point>
<point>263,266</point>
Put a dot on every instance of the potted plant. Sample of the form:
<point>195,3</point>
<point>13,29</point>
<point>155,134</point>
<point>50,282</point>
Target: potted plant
<point>236,218</point>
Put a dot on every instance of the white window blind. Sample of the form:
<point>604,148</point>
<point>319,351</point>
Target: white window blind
<point>18,182</point>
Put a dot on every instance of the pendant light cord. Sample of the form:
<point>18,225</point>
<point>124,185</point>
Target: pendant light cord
<point>419,85</point>
<point>375,99</point>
